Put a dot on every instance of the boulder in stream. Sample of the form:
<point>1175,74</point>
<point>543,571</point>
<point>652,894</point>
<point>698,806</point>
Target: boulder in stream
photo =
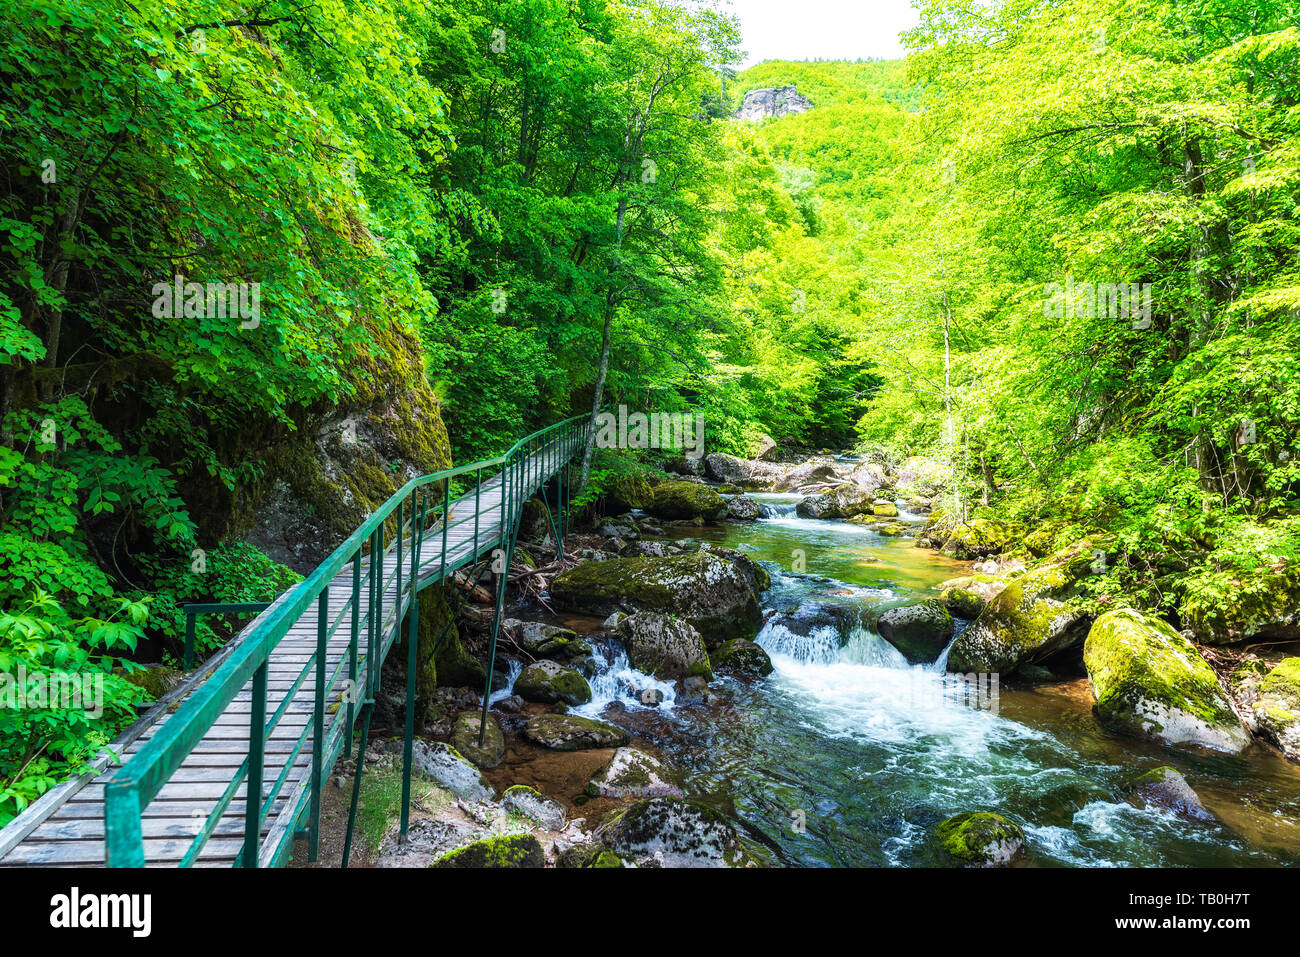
<point>507,850</point>
<point>1277,707</point>
<point>534,805</point>
<point>548,682</point>
<point>569,732</point>
<point>634,774</point>
<point>743,508</point>
<point>920,632</point>
<point>1165,787</point>
<point>742,658</point>
<point>713,592</point>
<point>664,647</point>
<point>674,832</point>
<point>1151,682</point>
<point>686,500</point>
<point>981,838</point>
<point>464,738</point>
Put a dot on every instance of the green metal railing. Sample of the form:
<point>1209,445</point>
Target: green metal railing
<point>192,613</point>
<point>416,526</point>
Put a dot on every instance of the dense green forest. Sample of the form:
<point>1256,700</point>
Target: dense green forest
<point>467,219</point>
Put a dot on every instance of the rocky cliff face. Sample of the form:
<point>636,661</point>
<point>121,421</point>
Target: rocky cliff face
<point>780,101</point>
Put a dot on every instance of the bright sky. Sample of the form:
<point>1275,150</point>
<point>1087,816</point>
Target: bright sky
<point>829,29</point>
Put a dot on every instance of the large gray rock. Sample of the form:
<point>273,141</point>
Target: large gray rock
<point>1165,787</point>
<point>532,804</point>
<point>920,632</point>
<point>569,732</point>
<point>714,593</point>
<point>743,472</point>
<point>743,508</point>
<point>464,738</point>
<point>816,471</point>
<point>664,647</point>
<point>634,774</point>
<point>446,767</point>
<point>674,832</point>
<point>771,102</point>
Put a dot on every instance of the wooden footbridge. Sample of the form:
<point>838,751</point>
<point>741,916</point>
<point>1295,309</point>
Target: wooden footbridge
<point>227,770</point>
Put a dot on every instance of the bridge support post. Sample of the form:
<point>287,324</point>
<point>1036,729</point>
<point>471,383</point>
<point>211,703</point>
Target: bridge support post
<point>318,724</point>
<point>408,732</point>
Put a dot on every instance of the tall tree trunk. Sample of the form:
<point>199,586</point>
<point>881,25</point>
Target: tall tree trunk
<point>611,304</point>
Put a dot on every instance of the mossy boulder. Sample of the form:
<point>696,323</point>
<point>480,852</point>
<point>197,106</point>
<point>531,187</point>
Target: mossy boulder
<point>628,491</point>
<point>981,838</point>
<point>634,774</point>
<point>754,573</point>
<point>507,850</point>
<point>569,732</point>
<point>686,500</point>
<point>1151,682</point>
<point>816,506</point>
<point>713,593</point>
<point>742,658</point>
<point>465,734</point>
<point>548,681</point>
<point>534,805</point>
<point>588,856</point>
<point>980,537</point>
<point>1223,608</point>
<point>1277,707</point>
<point>1033,617</point>
<point>920,631</point>
<point>884,509</point>
<point>664,647</point>
<point>968,597</point>
<point>675,832</point>
<point>1165,787</point>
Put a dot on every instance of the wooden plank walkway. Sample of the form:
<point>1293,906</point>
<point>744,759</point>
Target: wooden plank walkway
<point>71,832</point>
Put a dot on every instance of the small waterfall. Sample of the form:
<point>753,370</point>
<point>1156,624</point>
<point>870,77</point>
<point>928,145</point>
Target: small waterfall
<point>616,680</point>
<point>512,675</point>
<point>820,646</point>
<point>777,509</point>
<point>868,648</point>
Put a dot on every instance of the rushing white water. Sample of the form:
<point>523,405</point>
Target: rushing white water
<point>516,669</point>
<point>616,680</point>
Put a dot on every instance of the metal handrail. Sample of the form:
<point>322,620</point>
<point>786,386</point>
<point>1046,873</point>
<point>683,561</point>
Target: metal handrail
<point>140,779</point>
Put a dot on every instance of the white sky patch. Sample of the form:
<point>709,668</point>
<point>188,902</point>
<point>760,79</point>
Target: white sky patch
<point>822,29</point>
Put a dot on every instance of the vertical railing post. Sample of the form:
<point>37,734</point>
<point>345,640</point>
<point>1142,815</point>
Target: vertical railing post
<point>189,639</point>
<point>124,837</point>
<point>256,757</point>
<point>318,723</point>
<point>354,635</point>
<point>412,663</point>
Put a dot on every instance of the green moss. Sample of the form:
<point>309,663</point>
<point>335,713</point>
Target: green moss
<point>980,837</point>
<point>686,500</point>
<point>508,850</point>
<point>1283,681</point>
<point>1223,607</point>
<point>589,855</point>
<point>1134,660</point>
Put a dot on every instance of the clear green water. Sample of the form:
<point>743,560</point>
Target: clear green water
<point>849,757</point>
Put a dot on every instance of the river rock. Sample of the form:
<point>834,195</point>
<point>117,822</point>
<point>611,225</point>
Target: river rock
<point>549,682</point>
<point>569,732</point>
<point>920,632</point>
<point>850,500</point>
<point>1244,605</point>
<point>446,767</point>
<point>1165,787</point>
<point>507,850</point>
<point>464,738</point>
<point>629,490</point>
<point>816,506</point>
<point>753,572</point>
<point>1151,682</point>
<point>674,832</point>
<point>742,508</point>
<point>1277,707</point>
<point>686,500</point>
<point>647,550</point>
<point>664,647</point>
<point>1033,617</point>
<point>711,592</point>
<point>590,855</point>
<point>968,597</point>
<point>812,472</point>
<point>981,838</point>
<point>742,658</point>
<point>533,804</point>
<point>634,774</point>
<point>869,476</point>
<point>532,635</point>
<point>768,450</point>
<point>742,472</point>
